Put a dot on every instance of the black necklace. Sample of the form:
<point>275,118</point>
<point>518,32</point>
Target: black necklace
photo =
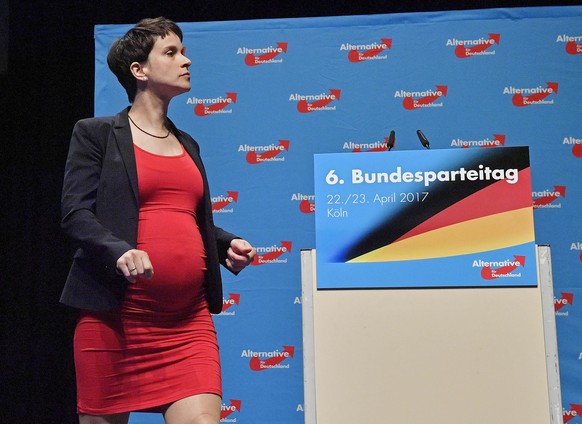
<point>145,132</point>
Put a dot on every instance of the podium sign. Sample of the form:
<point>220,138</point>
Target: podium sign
<point>429,218</point>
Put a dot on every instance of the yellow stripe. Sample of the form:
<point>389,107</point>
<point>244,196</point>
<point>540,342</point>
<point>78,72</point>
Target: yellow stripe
<point>477,235</point>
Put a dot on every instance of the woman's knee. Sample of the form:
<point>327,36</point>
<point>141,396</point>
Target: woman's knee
<point>122,418</point>
<point>197,409</point>
<point>206,419</point>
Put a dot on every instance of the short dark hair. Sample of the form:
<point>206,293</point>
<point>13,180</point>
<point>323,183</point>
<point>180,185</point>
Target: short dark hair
<point>135,46</point>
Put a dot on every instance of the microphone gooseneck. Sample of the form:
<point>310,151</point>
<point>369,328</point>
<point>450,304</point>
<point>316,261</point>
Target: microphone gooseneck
<point>423,139</point>
<point>391,140</point>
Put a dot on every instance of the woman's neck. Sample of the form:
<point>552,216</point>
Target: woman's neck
<point>150,109</point>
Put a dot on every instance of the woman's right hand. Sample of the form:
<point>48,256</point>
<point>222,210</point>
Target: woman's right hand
<point>135,263</point>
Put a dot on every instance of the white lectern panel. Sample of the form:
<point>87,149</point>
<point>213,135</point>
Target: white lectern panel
<point>438,356</point>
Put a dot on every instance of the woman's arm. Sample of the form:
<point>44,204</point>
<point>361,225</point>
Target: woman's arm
<point>234,253</point>
<point>80,190</point>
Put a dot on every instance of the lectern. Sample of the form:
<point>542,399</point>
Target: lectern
<point>439,356</point>
<point>426,299</point>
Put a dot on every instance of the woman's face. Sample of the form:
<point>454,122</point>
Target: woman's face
<point>167,67</point>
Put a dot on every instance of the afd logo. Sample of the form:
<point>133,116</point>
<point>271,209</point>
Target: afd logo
<point>229,305</point>
<point>267,153</point>
<point>562,302</point>
<point>573,43</point>
<point>479,47</point>
<point>266,55</point>
<point>498,140</point>
<point>375,146</point>
<point>363,52</point>
<point>576,144</point>
<point>276,359</point>
<point>413,100</point>
<point>500,269</point>
<point>306,202</point>
<point>212,106</point>
<point>220,203</point>
<point>548,199</point>
<point>577,246</point>
<point>521,97</point>
<point>272,254</point>
<point>227,411</point>
<point>316,102</point>
<point>574,411</point>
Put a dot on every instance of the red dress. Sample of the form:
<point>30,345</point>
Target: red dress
<point>161,346</point>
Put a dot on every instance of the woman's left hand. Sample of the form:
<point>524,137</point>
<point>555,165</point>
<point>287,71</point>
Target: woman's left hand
<point>240,254</point>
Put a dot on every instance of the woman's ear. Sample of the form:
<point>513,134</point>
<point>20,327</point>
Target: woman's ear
<point>137,70</point>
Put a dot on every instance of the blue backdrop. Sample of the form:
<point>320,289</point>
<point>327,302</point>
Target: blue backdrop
<point>269,94</point>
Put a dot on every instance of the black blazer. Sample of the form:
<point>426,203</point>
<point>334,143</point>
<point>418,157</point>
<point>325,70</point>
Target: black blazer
<point>100,207</point>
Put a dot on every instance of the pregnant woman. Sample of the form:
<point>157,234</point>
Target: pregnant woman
<point>146,273</point>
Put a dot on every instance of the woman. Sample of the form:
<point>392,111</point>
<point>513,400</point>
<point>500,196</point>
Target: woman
<point>146,275</point>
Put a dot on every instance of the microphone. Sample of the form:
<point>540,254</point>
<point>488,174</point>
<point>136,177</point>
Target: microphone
<point>391,140</point>
<point>423,139</point>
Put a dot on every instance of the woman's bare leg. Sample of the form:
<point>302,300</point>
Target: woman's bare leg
<point>122,418</point>
<point>197,409</point>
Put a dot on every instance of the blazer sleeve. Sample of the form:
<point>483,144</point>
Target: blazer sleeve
<point>223,239</point>
<point>81,188</point>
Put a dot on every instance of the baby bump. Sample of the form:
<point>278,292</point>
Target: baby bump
<point>174,245</point>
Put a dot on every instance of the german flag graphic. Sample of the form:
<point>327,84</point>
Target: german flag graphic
<point>458,217</point>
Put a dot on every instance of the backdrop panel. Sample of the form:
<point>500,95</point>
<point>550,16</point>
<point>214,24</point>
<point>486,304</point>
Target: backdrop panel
<point>269,94</point>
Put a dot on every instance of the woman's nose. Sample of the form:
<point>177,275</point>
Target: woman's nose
<point>187,62</point>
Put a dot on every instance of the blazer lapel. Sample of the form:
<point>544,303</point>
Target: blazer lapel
<point>122,133</point>
<point>193,152</point>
